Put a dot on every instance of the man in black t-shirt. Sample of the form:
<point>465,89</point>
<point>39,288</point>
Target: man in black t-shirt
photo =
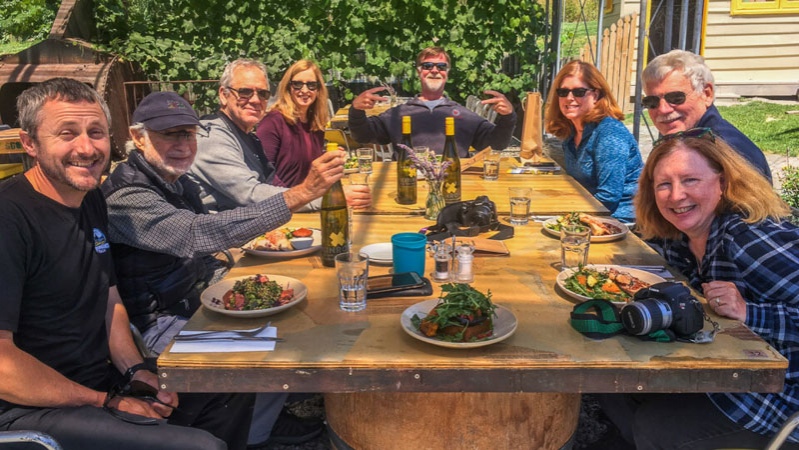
<point>64,334</point>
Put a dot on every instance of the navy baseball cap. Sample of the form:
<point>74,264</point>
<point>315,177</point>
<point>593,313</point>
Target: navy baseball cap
<point>162,110</point>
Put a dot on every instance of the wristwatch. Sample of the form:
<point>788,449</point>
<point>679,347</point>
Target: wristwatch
<point>135,368</point>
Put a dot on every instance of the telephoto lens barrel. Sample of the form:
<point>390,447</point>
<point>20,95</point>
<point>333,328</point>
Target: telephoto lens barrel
<point>645,316</point>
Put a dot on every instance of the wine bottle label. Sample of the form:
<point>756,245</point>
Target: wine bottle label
<point>452,193</point>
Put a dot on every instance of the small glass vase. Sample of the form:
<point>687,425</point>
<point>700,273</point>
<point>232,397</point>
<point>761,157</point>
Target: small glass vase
<point>435,200</point>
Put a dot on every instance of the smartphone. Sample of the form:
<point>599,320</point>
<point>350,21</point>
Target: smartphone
<point>393,282</point>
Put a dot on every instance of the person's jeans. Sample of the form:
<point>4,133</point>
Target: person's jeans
<point>677,421</point>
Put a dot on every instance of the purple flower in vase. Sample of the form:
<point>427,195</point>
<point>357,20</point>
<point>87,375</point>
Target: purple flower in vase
<point>427,163</point>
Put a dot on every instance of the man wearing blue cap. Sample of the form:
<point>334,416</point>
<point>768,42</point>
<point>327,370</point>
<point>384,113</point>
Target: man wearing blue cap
<point>162,238</point>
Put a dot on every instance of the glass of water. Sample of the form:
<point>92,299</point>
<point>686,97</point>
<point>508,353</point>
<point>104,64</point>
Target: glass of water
<point>491,166</point>
<point>365,157</point>
<point>574,243</point>
<point>519,205</point>
<point>352,270</point>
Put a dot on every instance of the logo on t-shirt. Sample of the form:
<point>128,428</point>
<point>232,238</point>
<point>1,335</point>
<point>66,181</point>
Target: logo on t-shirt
<point>455,113</point>
<point>100,242</point>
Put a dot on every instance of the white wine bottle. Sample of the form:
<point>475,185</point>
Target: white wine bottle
<point>335,224</point>
<point>406,172</point>
<point>452,179</point>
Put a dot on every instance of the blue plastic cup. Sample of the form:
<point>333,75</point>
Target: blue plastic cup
<point>408,252</point>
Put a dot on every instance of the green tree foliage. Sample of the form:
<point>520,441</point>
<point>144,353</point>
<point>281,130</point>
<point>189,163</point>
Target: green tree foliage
<point>22,20</point>
<point>350,39</point>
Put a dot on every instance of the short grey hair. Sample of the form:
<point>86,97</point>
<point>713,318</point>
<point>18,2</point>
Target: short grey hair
<point>33,99</point>
<point>691,65</point>
<point>227,74</point>
<point>139,128</point>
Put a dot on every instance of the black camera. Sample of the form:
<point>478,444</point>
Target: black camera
<point>480,212</point>
<point>663,306</point>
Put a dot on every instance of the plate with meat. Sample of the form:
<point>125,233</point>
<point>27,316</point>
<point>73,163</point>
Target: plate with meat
<point>253,296</point>
<point>462,318</point>
<point>616,284</point>
<point>285,243</point>
<point>603,229</point>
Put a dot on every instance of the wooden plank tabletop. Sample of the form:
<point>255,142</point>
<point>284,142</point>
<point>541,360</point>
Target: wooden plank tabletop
<point>328,350</point>
<point>552,194</point>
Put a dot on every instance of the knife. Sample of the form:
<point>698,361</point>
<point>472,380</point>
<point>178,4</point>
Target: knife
<point>180,338</point>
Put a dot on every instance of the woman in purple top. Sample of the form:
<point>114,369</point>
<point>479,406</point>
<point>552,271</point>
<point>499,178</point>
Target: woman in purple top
<point>292,133</point>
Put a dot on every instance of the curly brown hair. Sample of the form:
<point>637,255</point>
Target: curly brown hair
<point>744,189</point>
<point>556,122</point>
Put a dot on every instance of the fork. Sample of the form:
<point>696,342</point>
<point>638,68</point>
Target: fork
<point>252,332</point>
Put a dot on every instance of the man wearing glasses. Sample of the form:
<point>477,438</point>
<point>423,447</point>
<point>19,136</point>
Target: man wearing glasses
<point>231,168</point>
<point>428,111</point>
<point>679,96</point>
<point>163,240</point>
<point>65,340</point>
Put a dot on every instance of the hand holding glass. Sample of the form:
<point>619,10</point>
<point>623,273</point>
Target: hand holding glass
<point>365,158</point>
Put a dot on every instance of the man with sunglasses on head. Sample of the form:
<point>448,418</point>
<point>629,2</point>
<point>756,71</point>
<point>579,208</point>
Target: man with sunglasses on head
<point>231,168</point>
<point>679,96</point>
<point>163,239</point>
<point>428,111</point>
<point>69,365</point>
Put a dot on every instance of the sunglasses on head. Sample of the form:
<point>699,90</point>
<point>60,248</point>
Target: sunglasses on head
<point>311,85</point>
<point>577,92</point>
<point>441,66</point>
<point>247,93</point>
<point>672,98</point>
<point>690,133</point>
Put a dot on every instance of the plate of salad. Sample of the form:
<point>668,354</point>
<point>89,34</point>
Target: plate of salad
<point>616,284</point>
<point>284,243</point>
<point>253,296</point>
<point>351,164</point>
<point>603,229</point>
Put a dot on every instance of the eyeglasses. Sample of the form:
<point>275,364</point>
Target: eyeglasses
<point>576,92</point>
<point>311,85</point>
<point>247,93</point>
<point>690,133</point>
<point>181,135</point>
<point>672,98</point>
<point>441,66</point>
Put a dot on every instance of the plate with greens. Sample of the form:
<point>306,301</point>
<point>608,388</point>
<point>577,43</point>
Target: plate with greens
<point>603,229</point>
<point>616,284</point>
<point>253,296</point>
<point>463,327</point>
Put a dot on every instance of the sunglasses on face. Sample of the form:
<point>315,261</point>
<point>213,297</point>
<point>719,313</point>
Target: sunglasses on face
<point>181,135</point>
<point>247,93</point>
<point>441,66</point>
<point>577,92</point>
<point>672,98</point>
<point>311,85</point>
<point>690,133</point>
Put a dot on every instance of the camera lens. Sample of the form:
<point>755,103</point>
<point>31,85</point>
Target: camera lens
<point>645,316</point>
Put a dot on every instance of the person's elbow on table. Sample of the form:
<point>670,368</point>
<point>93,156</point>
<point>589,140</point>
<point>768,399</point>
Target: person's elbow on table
<point>358,196</point>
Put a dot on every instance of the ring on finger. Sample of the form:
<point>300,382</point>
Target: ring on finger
<point>718,301</point>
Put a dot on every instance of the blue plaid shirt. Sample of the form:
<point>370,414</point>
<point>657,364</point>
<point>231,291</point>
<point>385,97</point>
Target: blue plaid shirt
<point>763,262</point>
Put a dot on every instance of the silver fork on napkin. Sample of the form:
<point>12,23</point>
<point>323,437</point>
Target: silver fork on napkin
<point>206,338</point>
<point>253,332</point>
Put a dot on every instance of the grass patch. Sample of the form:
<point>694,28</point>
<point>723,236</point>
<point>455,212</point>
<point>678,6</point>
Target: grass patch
<point>9,48</point>
<point>767,124</point>
<point>575,35</point>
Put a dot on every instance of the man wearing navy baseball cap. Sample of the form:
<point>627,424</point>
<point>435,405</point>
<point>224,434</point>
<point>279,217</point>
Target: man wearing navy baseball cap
<point>163,240</point>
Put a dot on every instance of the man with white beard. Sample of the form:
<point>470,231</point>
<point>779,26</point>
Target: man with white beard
<point>428,111</point>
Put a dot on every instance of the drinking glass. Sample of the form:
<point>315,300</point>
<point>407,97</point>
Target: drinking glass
<point>519,205</point>
<point>365,157</point>
<point>352,270</point>
<point>574,243</point>
<point>491,166</point>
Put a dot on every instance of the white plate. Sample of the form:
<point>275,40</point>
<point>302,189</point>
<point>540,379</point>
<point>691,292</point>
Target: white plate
<point>647,277</point>
<point>381,253</point>
<point>219,289</point>
<point>504,326</point>
<point>285,254</point>
<point>604,238</point>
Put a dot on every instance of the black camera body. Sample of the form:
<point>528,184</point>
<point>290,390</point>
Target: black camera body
<point>467,218</point>
<point>663,306</point>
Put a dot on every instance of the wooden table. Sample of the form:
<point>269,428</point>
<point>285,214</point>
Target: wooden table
<point>387,388</point>
<point>552,194</point>
<point>341,118</point>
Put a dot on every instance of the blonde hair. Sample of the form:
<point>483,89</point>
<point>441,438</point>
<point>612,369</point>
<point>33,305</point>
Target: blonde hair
<point>745,190</point>
<point>605,106</point>
<point>318,114</point>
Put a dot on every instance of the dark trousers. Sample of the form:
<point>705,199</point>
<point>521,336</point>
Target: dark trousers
<point>677,421</point>
<point>205,421</point>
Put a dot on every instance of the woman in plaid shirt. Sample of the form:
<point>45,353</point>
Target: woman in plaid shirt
<point>720,223</point>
